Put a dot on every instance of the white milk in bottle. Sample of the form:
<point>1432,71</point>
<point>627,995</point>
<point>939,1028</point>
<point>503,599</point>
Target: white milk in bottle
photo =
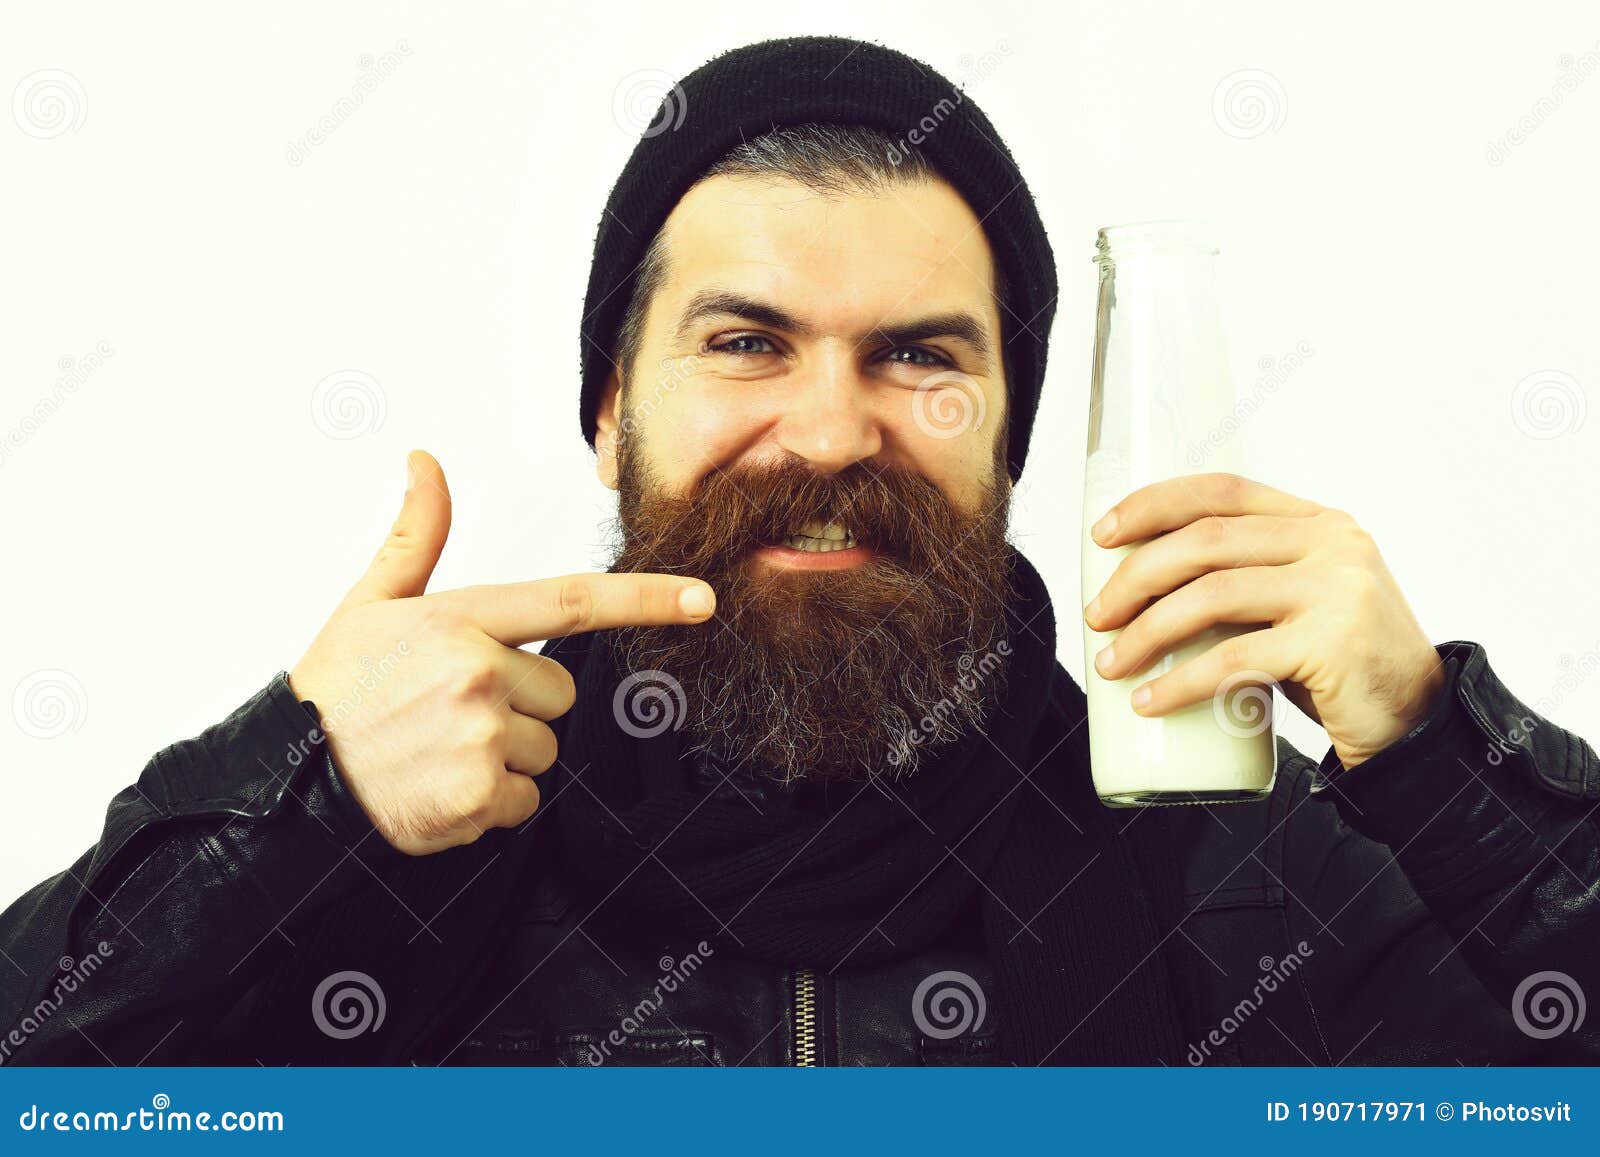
<point>1215,751</point>
<point>1162,406</point>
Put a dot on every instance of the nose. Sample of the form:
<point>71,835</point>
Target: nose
<point>829,420</point>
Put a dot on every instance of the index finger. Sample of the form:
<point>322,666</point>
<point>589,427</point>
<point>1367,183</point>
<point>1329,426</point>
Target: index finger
<point>1176,502</point>
<point>526,612</point>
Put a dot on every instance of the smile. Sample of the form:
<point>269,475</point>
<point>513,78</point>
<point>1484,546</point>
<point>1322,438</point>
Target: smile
<point>817,537</point>
<point>817,545</point>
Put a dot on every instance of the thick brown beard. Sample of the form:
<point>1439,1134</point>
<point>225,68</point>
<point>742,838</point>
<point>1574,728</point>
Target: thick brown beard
<point>841,674</point>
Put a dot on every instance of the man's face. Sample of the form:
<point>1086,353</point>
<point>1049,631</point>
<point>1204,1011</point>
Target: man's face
<point>716,386</point>
<point>815,427</point>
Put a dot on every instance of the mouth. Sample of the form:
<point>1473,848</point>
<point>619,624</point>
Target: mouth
<point>817,545</point>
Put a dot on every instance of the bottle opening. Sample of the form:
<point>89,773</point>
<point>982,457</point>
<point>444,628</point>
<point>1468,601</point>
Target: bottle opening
<point>1174,236</point>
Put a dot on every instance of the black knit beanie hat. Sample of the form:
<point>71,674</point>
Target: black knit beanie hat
<point>831,80</point>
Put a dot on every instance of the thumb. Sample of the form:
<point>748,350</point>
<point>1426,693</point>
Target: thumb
<point>404,563</point>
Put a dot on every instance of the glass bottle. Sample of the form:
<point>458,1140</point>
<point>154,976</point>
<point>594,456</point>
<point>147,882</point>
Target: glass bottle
<point>1161,405</point>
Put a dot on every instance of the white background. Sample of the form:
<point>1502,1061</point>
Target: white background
<point>178,528</point>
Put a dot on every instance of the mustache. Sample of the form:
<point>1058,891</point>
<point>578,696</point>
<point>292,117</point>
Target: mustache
<point>901,514</point>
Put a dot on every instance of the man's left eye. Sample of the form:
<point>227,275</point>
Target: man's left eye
<point>919,356</point>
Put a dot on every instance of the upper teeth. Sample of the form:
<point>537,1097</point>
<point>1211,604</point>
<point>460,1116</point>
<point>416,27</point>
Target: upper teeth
<point>817,535</point>
<point>816,528</point>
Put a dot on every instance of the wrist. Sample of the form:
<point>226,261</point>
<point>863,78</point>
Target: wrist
<point>1421,703</point>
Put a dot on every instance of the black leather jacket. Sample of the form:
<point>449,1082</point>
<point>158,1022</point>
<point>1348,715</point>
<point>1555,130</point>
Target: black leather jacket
<point>1431,906</point>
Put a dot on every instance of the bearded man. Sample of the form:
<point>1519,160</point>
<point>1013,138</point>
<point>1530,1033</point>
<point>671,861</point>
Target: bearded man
<point>799,780</point>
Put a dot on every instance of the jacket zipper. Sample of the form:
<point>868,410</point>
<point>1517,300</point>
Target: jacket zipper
<point>805,1017</point>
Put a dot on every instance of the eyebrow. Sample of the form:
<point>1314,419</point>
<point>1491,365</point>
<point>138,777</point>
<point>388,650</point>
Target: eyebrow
<point>719,302</point>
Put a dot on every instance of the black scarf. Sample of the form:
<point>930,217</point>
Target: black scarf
<point>886,869</point>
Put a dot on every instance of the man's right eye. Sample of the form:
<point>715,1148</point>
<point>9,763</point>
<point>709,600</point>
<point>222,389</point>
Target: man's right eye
<point>743,345</point>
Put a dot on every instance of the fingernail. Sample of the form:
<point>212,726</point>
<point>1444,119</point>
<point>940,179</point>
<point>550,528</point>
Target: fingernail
<point>1106,527</point>
<point>1092,612</point>
<point>1141,697</point>
<point>1105,658</point>
<point>411,473</point>
<point>696,601</point>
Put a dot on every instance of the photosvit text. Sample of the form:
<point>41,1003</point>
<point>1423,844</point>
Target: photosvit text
<point>1399,1111</point>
